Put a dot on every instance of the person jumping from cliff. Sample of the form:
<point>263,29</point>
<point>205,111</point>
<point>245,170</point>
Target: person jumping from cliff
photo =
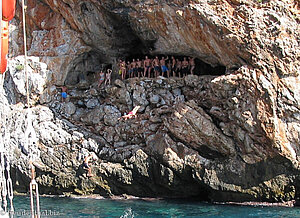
<point>131,114</point>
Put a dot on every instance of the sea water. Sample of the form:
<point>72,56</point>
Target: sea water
<point>70,207</point>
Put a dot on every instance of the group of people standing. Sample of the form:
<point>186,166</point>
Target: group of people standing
<point>156,67</point>
<point>151,68</point>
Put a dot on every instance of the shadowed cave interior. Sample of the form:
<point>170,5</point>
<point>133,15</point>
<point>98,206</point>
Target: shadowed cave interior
<point>86,66</point>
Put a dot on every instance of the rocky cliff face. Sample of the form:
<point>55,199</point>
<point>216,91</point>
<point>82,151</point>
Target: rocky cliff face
<point>229,137</point>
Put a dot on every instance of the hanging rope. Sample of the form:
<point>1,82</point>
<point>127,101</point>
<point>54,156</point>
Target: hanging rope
<point>34,194</point>
<point>30,134</point>
<point>1,172</point>
<point>3,193</point>
<point>25,51</point>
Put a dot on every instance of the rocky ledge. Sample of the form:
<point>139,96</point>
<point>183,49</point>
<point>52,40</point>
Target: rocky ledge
<point>199,136</point>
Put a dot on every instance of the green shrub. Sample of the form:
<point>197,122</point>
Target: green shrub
<point>19,67</point>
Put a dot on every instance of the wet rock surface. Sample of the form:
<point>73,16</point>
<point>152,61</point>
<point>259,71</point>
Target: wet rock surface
<point>233,137</point>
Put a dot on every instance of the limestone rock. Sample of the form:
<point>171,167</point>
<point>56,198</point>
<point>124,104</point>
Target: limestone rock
<point>111,115</point>
<point>69,108</point>
<point>38,77</point>
<point>203,135</point>
<point>92,103</point>
<point>229,137</point>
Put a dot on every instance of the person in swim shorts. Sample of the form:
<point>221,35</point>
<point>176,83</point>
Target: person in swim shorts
<point>185,65</point>
<point>134,68</point>
<point>173,66</point>
<point>63,94</point>
<point>156,66</point>
<point>129,69</point>
<point>147,66</point>
<point>101,78</point>
<point>86,164</point>
<point>164,67</point>
<point>140,69</point>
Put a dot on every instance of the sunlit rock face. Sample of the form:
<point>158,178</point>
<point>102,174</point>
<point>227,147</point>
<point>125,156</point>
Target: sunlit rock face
<point>228,137</point>
<point>228,33</point>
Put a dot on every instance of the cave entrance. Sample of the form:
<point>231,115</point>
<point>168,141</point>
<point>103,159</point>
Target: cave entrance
<point>203,68</point>
<point>84,68</point>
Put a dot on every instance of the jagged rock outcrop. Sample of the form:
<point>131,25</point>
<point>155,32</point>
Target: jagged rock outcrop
<point>230,137</point>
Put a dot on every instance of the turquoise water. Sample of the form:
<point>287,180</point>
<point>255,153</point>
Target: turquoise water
<point>67,207</point>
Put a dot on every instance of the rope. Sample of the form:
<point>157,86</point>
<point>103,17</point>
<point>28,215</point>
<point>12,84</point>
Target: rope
<point>25,51</point>
<point>30,133</point>
<point>34,186</point>
<point>1,169</point>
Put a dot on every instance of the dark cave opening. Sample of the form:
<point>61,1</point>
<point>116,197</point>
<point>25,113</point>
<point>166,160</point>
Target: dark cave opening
<point>203,68</point>
<point>84,69</point>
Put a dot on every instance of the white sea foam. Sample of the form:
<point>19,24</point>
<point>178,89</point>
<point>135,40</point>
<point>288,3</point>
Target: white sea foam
<point>128,213</point>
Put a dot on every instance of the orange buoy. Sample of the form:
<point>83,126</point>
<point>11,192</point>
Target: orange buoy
<point>4,46</point>
<point>8,9</point>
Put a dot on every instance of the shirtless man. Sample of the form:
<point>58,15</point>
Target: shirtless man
<point>192,64</point>
<point>129,69</point>
<point>173,66</point>
<point>134,68</point>
<point>169,65</point>
<point>156,66</point>
<point>185,65</point>
<point>64,94</point>
<point>139,67</point>
<point>178,67</point>
<point>164,67</point>
<point>108,77</point>
<point>147,66</point>
<point>86,164</point>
